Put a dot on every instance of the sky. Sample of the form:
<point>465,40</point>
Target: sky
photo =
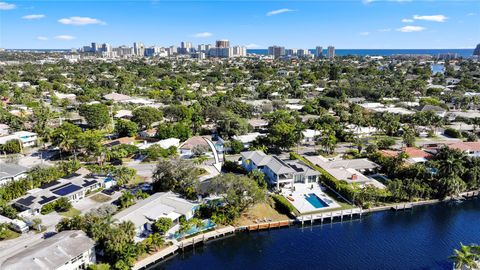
<point>345,24</point>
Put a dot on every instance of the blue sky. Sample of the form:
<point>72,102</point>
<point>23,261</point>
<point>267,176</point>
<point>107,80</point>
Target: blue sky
<point>378,24</point>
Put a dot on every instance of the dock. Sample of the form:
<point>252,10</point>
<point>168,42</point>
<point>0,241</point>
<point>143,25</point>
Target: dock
<point>330,216</point>
<point>182,245</point>
<point>404,207</point>
<point>267,225</point>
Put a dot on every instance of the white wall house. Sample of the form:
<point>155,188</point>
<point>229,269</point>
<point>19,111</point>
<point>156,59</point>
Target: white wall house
<point>67,250</point>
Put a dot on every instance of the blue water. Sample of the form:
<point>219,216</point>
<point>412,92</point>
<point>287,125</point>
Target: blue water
<point>437,68</point>
<point>420,239</point>
<point>315,201</point>
<point>385,52</point>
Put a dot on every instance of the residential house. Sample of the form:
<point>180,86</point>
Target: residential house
<point>309,136</point>
<point>67,250</point>
<point>436,109</point>
<point>352,171</point>
<point>472,149</point>
<point>279,173</point>
<point>163,204</point>
<point>73,187</point>
<point>11,172</point>
<point>27,138</point>
<point>247,139</point>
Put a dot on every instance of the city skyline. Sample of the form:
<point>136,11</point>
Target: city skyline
<point>367,24</point>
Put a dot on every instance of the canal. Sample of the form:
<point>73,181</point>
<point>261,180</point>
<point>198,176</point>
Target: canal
<point>423,238</point>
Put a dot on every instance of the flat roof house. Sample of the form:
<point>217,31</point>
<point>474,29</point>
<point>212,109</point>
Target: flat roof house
<point>73,187</point>
<point>278,172</point>
<point>67,250</point>
<point>11,172</point>
<point>163,204</point>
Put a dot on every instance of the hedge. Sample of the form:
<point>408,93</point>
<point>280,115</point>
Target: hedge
<point>283,205</point>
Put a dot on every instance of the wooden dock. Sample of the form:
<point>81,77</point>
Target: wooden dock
<point>330,216</point>
<point>180,246</point>
<point>268,225</point>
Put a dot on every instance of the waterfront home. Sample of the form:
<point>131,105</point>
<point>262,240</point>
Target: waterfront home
<point>67,250</point>
<point>472,149</point>
<point>73,187</point>
<point>11,172</point>
<point>352,171</point>
<point>163,204</point>
<point>279,173</point>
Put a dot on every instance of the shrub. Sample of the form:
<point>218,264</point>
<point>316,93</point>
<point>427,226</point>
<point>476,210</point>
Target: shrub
<point>451,132</point>
<point>385,143</point>
<point>283,205</point>
<point>233,167</point>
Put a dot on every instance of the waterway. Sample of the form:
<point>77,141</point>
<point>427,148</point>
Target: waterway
<point>423,238</point>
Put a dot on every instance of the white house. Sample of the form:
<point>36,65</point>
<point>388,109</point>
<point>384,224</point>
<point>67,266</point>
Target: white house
<point>163,204</point>
<point>27,138</point>
<point>67,250</point>
<point>278,172</point>
<point>11,172</point>
<point>309,135</point>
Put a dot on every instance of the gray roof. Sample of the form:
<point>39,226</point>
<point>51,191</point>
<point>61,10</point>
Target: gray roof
<point>11,170</point>
<point>433,108</point>
<point>302,168</point>
<point>158,205</point>
<point>275,164</point>
<point>50,253</point>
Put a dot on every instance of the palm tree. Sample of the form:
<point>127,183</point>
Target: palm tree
<point>464,258</point>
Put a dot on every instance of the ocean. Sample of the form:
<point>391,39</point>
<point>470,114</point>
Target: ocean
<point>384,52</point>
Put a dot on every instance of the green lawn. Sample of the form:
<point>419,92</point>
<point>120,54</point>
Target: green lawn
<point>8,234</point>
<point>136,180</point>
<point>71,213</point>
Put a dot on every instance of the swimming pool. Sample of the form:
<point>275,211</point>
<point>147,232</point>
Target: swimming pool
<point>315,201</point>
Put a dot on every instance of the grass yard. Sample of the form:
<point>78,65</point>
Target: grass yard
<point>100,198</point>
<point>71,213</point>
<point>136,180</point>
<point>259,211</point>
<point>8,234</point>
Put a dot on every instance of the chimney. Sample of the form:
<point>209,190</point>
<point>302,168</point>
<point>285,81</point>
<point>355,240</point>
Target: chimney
<point>354,177</point>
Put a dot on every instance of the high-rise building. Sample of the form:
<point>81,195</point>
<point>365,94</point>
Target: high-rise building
<point>276,51</point>
<point>185,47</point>
<point>319,52</point>
<point>303,53</point>
<point>291,52</point>
<point>239,51</point>
<point>106,48</point>
<point>94,47</point>
<point>331,52</point>
<point>477,50</point>
<point>138,48</point>
<point>123,51</point>
<point>223,43</point>
<point>221,52</point>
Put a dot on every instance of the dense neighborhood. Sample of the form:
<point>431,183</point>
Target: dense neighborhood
<point>106,162</point>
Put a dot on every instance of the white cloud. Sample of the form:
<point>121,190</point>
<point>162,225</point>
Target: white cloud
<point>33,17</point>
<point>6,6</point>
<point>65,37</point>
<point>411,28</point>
<point>80,21</point>
<point>385,30</point>
<point>431,18</point>
<point>42,38</point>
<point>203,35</point>
<point>407,20</point>
<point>279,11</point>
<point>364,33</point>
<point>252,46</point>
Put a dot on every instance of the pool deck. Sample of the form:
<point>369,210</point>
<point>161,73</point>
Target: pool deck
<point>301,204</point>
